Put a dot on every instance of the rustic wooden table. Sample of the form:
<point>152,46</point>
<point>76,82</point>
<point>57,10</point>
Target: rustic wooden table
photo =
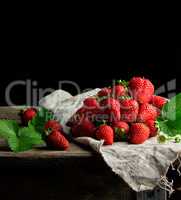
<point>78,173</point>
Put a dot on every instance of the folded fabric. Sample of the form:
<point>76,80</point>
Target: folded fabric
<point>142,166</point>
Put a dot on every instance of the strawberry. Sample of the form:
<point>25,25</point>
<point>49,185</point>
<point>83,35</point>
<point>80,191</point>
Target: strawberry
<point>139,133</point>
<point>153,130</point>
<point>53,125</point>
<point>91,107</point>
<point>158,101</point>
<point>84,128</point>
<point>129,110</point>
<point>141,89</point>
<point>104,92</point>
<point>91,103</point>
<point>118,91</point>
<point>121,130</point>
<point>75,130</point>
<point>113,115</point>
<point>77,117</point>
<point>147,112</point>
<point>28,115</point>
<point>110,103</point>
<point>105,132</point>
<point>101,115</point>
<point>56,140</point>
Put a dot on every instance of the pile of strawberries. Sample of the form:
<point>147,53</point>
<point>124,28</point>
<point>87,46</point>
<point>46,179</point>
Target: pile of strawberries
<point>52,132</point>
<point>124,112</point>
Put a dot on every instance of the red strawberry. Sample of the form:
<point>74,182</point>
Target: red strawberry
<point>75,130</point>
<point>141,89</point>
<point>77,117</point>
<point>84,128</point>
<point>29,114</point>
<point>53,125</point>
<point>102,115</point>
<point>118,91</point>
<point>91,103</point>
<point>121,130</point>
<point>139,132</point>
<point>158,101</point>
<point>56,140</point>
<point>91,107</point>
<point>105,132</point>
<point>105,92</point>
<point>153,130</point>
<point>147,112</point>
<point>110,103</point>
<point>114,115</point>
<point>129,110</point>
<point>136,83</point>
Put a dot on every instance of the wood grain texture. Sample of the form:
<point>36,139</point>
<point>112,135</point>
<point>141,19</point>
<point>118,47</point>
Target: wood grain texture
<point>78,173</point>
<point>10,112</point>
<point>42,152</point>
<point>75,150</point>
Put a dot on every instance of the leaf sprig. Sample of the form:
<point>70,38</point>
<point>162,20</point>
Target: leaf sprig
<point>170,121</point>
<point>25,138</point>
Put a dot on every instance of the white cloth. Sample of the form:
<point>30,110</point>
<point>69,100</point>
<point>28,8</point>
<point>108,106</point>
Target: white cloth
<point>142,166</point>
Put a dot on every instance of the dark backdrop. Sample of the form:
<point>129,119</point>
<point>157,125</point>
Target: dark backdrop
<point>89,66</point>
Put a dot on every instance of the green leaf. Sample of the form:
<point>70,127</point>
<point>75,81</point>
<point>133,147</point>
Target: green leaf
<point>42,116</point>
<point>167,128</point>
<point>170,120</point>
<point>28,137</point>
<point>8,128</point>
<point>19,139</point>
<point>172,112</point>
<point>13,143</point>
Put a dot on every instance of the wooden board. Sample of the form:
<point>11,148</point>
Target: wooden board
<point>42,152</point>
<point>87,164</point>
<point>75,150</point>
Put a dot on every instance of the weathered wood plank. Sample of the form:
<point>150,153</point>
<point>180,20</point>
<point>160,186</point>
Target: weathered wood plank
<point>43,152</point>
<point>74,150</point>
<point>10,112</point>
<point>155,194</point>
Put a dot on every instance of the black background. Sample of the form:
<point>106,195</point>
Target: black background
<point>89,65</point>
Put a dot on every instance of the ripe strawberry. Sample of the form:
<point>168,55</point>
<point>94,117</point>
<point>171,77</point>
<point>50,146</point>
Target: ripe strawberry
<point>141,89</point>
<point>110,103</point>
<point>56,140</point>
<point>101,115</point>
<point>114,115</point>
<point>84,128</point>
<point>147,112</point>
<point>75,130</point>
<point>158,101</point>
<point>129,110</point>
<point>118,91</point>
<point>91,103</point>
<point>28,115</point>
<point>139,132</point>
<point>136,83</point>
<point>77,117</point>
<point>104,92</point>
<point>105,132</point>
<point>53,125</point>
<point>121,130</point>
<point>153,130</point>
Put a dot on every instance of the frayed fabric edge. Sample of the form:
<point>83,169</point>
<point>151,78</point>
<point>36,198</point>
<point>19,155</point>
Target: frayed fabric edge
<point>164,183</point>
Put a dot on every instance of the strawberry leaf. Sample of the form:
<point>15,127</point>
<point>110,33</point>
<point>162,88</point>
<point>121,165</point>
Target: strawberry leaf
<point>8,130</point>
<point>28,137</point>
<point>42,116</point>
<point>172,111</point>
<point>19,139</point>
<point>170,121</point>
